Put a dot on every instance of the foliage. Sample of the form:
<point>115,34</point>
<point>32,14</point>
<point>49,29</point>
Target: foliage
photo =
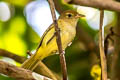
<point>17,36</point>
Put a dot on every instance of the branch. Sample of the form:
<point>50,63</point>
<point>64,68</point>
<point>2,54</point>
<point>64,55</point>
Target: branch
<point>12,55</point>
<point>19,73</point>
<point>58,39</point>
<point>101,46</point>
<point>40,69</point>
<point>101,4</point>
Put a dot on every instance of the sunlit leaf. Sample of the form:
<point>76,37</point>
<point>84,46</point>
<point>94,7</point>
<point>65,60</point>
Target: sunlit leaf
<point>1,44</point>
<point>96,72</point>
<point>18,25</point>
<point>0,27</point>
<point>18,2</point>
<point>14,44</point>
<point>33,37</point>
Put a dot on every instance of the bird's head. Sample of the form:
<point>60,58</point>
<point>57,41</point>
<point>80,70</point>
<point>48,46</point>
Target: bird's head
<point>71,16</point>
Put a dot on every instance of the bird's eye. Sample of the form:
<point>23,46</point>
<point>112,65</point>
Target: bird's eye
<point>69,15</point>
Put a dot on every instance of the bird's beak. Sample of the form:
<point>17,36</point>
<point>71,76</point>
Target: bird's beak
<point>79,15</point>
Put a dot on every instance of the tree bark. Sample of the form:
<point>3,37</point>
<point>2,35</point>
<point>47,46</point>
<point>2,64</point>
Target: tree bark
<point>18,73</point>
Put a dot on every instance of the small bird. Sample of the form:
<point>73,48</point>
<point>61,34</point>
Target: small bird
<point>67,24</point>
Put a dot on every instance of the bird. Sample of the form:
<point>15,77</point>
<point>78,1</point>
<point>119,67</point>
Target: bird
<point>67,23</point>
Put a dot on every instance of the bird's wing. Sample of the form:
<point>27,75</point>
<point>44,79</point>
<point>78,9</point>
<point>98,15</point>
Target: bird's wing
<point>49,37</point>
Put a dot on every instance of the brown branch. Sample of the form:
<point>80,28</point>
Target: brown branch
<point>17,58</point>
<point>17,73</point>
<point>40,69</point>
<point>58,39</point>
<point>101,4</point>
<point>101,46</point>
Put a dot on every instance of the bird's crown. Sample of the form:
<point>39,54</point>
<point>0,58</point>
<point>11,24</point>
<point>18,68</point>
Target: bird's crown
<point>71,14</point>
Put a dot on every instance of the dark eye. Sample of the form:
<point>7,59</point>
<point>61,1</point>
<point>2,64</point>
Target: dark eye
<point>69,15</point>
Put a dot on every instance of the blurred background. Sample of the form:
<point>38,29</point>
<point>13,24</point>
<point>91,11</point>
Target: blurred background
<point>22,23</point>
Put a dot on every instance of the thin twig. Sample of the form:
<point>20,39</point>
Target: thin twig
<point>101,46</point>
<point>58,39</point>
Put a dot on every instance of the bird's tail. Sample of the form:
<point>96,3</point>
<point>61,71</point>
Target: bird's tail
<point>33,61</point>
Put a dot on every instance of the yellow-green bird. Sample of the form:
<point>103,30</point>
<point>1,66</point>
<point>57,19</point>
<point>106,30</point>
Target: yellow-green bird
<point>67,24</point>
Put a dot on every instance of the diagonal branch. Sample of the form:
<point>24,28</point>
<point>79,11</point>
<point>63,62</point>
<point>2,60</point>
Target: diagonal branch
<point>101,4</point>
<point>58,39</point>
<point>11,55</point>
<point>19,73</point>
<point>101,46</point>
<point>40,69</point>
